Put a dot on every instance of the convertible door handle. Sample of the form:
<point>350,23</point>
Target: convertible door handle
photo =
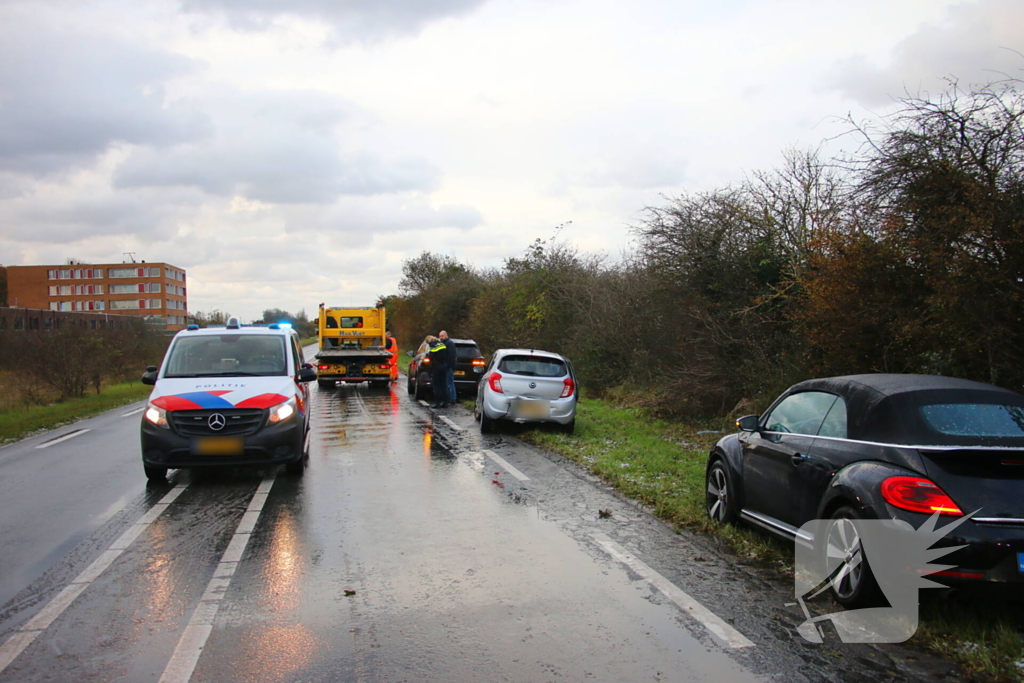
<point>797,458</point>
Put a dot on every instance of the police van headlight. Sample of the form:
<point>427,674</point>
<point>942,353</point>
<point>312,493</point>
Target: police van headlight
<point>156,416</point>
<point>283,411</point>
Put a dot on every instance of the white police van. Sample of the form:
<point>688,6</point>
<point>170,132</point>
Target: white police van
<point>228,396</point>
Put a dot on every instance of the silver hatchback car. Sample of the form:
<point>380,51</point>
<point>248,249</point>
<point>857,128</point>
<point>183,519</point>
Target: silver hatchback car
<point>527,385</point>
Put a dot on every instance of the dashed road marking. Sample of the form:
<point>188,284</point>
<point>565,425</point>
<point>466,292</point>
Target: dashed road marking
<point>447,421</point>
<point>186,655</point>
<point>24,636</point>
<point>424,403</point>
<point>70,435</point>
<point>133,412</point>
<point>511,470</point>
<point>718,628</point>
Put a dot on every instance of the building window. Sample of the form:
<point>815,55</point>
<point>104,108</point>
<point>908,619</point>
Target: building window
<point>54,305</point>
<point>53,290</point>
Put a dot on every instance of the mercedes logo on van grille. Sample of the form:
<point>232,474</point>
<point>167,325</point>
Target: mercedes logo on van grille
<point>216,422</point>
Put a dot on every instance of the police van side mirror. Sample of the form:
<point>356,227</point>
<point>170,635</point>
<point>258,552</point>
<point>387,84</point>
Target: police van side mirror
<point>411,354</point>
<point>149,377</point>
<point>307,373</point>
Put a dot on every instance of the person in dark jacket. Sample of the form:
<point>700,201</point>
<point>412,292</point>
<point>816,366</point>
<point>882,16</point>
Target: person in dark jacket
<point>439,372</point>
<point>452,359</point>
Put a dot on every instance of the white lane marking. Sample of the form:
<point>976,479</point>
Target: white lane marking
<point>186,655</point>
<point>71,435</point>
<point>504,463</point>
<point>133,412</point>
<point>424,403</point>
<point>720,629</point>
<point>447,421</point>
<point>24,636</point>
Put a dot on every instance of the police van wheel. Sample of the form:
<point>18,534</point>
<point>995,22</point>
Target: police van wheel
<point>155,473</point>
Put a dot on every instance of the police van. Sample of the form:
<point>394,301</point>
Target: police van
<point>228,395</point>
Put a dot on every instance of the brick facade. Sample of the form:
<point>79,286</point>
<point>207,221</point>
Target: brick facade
<point>151,290</point>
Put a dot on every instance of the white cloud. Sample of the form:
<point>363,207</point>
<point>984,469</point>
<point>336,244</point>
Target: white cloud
<point>974,43</point>
<point>290,151</point>
<point>351,21</point>
<point>66,96</point>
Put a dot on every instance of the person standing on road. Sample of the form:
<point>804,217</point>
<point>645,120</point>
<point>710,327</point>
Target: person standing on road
<point>391,344</point>
<point>439,372</point>
<point>452,359</point>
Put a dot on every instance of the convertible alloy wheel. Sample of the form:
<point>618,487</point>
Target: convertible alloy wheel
<point>719,501</point>
<point>853,583</point>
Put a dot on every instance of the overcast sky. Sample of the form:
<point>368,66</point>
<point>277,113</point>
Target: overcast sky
<point>287,152</point>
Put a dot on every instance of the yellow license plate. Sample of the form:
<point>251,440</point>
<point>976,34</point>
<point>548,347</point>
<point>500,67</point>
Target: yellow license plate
<point>460,372</point>
<point>218,445</point>
<point>533,409</point>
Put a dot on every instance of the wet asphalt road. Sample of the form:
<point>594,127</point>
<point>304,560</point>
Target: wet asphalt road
<point>413,549</point>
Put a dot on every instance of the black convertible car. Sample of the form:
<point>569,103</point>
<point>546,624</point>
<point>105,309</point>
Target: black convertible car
<point>883,447</point>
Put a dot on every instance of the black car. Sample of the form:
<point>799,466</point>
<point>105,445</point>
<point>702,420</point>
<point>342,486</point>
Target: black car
<point>884,446</point>
<point>469,368</point>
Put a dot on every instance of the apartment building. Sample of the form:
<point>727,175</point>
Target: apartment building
<point>154,291</point>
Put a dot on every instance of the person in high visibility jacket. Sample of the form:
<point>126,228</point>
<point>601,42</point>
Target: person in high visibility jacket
<point>391,344</point>
<point>439,372</point>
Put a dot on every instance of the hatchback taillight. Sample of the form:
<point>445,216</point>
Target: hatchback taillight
<point>918,494</point>
<point>494,379</point>
<point>570,386</point>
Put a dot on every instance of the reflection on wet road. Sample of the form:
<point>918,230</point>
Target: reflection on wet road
<point>411,550</point>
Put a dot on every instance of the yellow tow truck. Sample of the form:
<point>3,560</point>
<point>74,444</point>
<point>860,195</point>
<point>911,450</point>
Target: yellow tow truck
<point>353,346</point>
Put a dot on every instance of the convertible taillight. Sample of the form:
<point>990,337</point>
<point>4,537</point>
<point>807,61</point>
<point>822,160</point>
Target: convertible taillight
<point>570,386</point>
<point>494,379</point>
<point>479,361</point>
<point>918,494</point>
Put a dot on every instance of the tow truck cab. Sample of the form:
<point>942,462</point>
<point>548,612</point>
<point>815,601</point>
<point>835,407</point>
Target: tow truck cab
<point>353,346</point>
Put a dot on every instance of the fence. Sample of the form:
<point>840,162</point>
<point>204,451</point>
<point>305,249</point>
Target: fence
<point>39,320</point>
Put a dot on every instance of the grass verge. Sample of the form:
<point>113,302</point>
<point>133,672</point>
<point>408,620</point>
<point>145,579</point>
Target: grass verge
<point>16,424</point>
<point>661,464</point>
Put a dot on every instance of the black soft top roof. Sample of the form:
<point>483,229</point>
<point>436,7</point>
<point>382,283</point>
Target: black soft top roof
<point>884,407</point>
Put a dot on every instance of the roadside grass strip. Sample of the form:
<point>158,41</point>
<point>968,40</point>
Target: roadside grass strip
<point>716,626</point>
<point>662,465</point>
<point>24,636</point>
<point>190,646</point>
<point>18,423</point>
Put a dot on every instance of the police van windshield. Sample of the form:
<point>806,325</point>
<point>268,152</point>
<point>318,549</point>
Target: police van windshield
<point>228,355</point>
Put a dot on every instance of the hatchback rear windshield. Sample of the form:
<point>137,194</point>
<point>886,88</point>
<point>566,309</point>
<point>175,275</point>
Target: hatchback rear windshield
<point>533,366</point>
<point>227,355</point>
<point>467,351</point>
<point>975,419</point>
